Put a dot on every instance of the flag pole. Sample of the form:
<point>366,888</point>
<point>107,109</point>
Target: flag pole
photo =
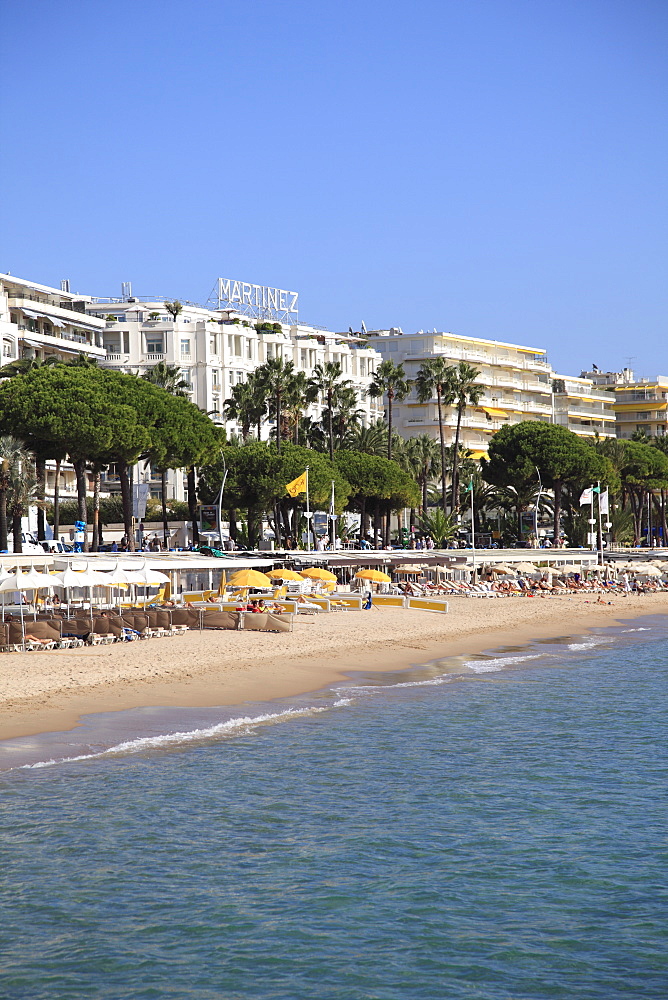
<point>599,537</point>
<point>592,519</point>
<point>308,517</point>
<point>472,528</point>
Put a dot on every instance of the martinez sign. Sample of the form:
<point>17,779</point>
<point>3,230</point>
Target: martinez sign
<point>258,300</point>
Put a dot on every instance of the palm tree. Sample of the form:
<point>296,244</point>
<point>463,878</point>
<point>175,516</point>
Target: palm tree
<point>423,461</point>
<point>19,366</point>
<point>390,380</point>
<point>433,377</point>
<point>276,376</point>
<point>461,389</point>
<point>21,491</point>
<point>246,406</point>
<point>13,455</point>
<point>300,393</point>
<point>169,378</point>
<point>371,440</point>
<point>326,379</point>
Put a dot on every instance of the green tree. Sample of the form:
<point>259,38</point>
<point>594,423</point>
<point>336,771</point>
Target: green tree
<point>423,460</point>
<point>62,410</point>
<point>169,378</point>
<point>327,379</point>
<point>13,454</point>
<point>517,451</point>
<point>246,405</point>
<point>389,380</point>
<point>174,308</point>
<point>461,389</point>
<point>442,527</point>
<point>371,440</point>
<point>434,379</point>
<point>21,492</point>
<point>378,485</point>
<point>645,470</point>
<point>275,376</point>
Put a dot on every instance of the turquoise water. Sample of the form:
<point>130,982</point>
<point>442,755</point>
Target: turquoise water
<point>484,828</point>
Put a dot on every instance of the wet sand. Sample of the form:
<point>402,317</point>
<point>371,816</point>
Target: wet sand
<point>49,691</point>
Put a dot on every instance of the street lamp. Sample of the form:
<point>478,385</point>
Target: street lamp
<point>220,501</point>
<point>535,510</point>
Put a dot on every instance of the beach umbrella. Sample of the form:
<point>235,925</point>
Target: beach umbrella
<point>284,574</point>
<point>373,574</point>
<point>317,573</point>
<point>650,571</point>
<point>17,581</point>
<point>249,578</point>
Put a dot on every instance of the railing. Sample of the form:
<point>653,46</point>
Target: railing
<point>154,357</point>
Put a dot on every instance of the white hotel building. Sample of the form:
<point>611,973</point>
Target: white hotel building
<point>37,321</point>
<point>215,349</point>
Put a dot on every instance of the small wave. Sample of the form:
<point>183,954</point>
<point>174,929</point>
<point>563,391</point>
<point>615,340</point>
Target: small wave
<point>645,629</point>
<point>244,724</point>
<point>488,666</point>
<point>588,644</point>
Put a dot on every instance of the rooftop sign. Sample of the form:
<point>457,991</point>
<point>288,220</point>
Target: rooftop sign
<point>259,301</point>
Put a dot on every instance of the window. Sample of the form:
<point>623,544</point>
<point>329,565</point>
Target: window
<point>362,366</point>
<point>392,347</point>
<point>249,350</point>
<point>185,348</point>
<point>303,358</point>
<point>237,347</point>
<point>215,377</point>
<point>154,345</point>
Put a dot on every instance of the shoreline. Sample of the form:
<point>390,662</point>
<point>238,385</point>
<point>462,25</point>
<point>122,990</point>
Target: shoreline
<point>50,692</point>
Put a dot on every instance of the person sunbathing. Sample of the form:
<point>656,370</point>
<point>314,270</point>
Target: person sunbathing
<point>35,638</point>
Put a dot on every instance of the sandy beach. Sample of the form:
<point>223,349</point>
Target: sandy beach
<point>44,692</point>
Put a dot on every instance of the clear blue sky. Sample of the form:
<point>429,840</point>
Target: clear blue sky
<point>492,167</point>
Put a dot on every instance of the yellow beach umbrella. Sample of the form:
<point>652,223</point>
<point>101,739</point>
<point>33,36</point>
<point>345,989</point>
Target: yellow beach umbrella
<point>373,574</point>
<point>249,578</point>
<point>316,573</point>
<point>284,574</point>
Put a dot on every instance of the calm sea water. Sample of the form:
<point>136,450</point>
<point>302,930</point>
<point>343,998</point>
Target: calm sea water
<point>484,828</point>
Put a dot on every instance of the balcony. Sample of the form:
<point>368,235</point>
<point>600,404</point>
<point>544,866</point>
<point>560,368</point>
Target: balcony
<point>154,357</point>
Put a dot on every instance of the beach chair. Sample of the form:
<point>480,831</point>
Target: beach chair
<point>40,635</point>
<point>11,637</point>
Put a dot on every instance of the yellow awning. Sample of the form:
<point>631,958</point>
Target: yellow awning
<point>477,455</point>
<point>493,412</point>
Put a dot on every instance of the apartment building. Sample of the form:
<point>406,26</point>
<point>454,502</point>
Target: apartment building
<point>642,407</point>
<point>641,404</point>
<point>516,381</point>
<point>39,322</point>
<point>583,407</point>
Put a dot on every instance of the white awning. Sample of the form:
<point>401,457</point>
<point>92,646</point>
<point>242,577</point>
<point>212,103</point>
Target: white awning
<point>30,343</point>
<point>30,313</point>
<point>55,322</point>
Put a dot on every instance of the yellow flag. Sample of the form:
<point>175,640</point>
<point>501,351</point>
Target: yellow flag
<point>297,485</point>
